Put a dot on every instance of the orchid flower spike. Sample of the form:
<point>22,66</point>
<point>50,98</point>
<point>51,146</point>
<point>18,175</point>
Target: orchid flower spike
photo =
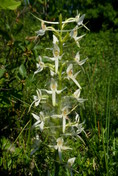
<point>70,75</point>
<point>40,65</point>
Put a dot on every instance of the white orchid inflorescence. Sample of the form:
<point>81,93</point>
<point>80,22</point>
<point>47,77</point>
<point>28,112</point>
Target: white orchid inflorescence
<point>60,122</point>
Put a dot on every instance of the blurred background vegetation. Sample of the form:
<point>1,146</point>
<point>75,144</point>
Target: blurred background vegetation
<point>18,53</point>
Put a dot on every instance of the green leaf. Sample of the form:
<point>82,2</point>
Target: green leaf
<point>22,70</point>
<point>2,71</point>
<point>9,4</point>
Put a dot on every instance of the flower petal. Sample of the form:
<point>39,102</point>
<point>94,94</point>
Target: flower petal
<point>75,81</point>
<point>36,116</point>
<point>53,98</point>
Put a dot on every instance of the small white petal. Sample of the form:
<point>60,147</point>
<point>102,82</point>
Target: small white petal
<point>79,20</point>
<point>77,57</point>
<point>55,40</point>
<point>41,126</point>
<point>71,161</point>
<point>53,98</point>
<point>37,103</point>
<point>48,91</point>
<point>75,75</point>
<point>56,116</point>
<point>75,81</point>
<point>64,124</point>
<point>56,65</point>
<point>77,93</point>
<point>36,116</point>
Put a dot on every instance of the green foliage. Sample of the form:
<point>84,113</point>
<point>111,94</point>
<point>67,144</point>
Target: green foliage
<point>9,4</point>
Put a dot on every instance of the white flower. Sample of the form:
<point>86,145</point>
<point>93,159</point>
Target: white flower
<point>41,32</point>
<point>70,75</point>
<point>77,96</point>
<point>64,116</point>
<point>56,58</point>
<point>79,19</point>
<point>60,147</point>
<point>53,91</point>
<point>73,35</point>
<point>77,59</point>
<point>37,98</point>
<point>71,161</point>
<point>40,121</point>
<point>40,65</point>
<point>76,128</point>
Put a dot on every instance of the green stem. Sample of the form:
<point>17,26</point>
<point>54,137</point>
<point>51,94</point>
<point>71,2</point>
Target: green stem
<point>57,165</point>
<point>60,70</point>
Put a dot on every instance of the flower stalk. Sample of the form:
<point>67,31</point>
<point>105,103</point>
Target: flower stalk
<point>61,119</point>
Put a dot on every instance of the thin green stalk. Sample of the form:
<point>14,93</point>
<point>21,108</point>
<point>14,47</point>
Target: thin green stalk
<point>108,121</point>
<point>60,70</point>
<point>57,165</point>
<point>103,131</point>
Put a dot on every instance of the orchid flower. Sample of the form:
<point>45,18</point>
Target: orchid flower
<point>70,75</point>
<point>60,147</point>
<point>43,29</point>
<point>40,65</point>
<point>70,162</point>
<point>77,59</point>
<point>76,95</point>
<point>64,116</point>
<point>79,127</point>
<point>40,121</point>
<point>76,128</point>
<point>56,58</point>
<point>73,35</point>
<point>37,98</point>
<point>79,20</point>
<point>53,91</point>
<point>41,32</point>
